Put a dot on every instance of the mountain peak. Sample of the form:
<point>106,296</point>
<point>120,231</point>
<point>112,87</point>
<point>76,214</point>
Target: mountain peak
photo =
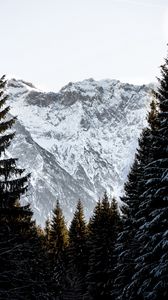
<point>19,83</point>
<point>85,138</point>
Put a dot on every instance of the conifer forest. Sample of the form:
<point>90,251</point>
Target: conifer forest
<point>120,254</point>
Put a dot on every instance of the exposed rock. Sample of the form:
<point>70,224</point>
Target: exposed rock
<point>79,142</point>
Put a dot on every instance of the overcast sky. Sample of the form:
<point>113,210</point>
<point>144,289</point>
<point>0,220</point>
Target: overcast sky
<point>52,42</point>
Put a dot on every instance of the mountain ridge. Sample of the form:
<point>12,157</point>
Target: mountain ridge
<point>91,131</point>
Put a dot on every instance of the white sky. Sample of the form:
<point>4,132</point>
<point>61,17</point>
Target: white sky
<point>52,42</point>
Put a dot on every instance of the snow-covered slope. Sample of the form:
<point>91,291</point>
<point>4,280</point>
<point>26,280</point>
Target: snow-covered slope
<point>77,142</point>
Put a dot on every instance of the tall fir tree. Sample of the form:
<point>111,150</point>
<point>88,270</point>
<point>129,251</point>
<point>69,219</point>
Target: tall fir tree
<point>58,240</point>
<point>78,239</point>
<point>20,274</point>
<point>104,227</point>
<point>151,264</point>
<point>46,234</point>
<point>58,234</point>
<point>11,187</point>
<point>77,255</point>
<point>127,246</point>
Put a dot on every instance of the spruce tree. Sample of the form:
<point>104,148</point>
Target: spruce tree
<point>150,279</point>
<point>153,232</point>
<point>20,276</point>
<point>127,245</point>
<point>58,235</point>
<point>46,236</point>
<point>77,240</point>
<point>104,227</point>
<point>57,247</point>
<point>11,186</point>
<point>77,255</point>
<point>21,256</point>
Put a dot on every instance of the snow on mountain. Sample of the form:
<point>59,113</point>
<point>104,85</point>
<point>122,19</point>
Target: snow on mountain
<point>79,142</point>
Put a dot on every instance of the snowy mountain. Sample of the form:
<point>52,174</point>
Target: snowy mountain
<point>77,142</point>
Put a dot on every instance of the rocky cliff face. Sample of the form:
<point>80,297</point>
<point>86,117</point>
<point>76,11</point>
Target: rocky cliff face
<point>76,143</point>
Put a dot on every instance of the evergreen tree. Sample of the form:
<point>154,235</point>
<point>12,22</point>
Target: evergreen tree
<point>57,247</point>
<point>20,274</point>
<point>11,187</point>
<point>151,276</point>
<point>58,235</point>
<point>127,246</point>
<point>47,235</point>
<point>78,255</point>
<point>77,240</point>
<point>104,227</point>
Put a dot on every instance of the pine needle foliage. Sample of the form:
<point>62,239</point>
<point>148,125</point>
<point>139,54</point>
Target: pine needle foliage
<point>20,251</point>
<point>103,231</point>
<point>77,255</point>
